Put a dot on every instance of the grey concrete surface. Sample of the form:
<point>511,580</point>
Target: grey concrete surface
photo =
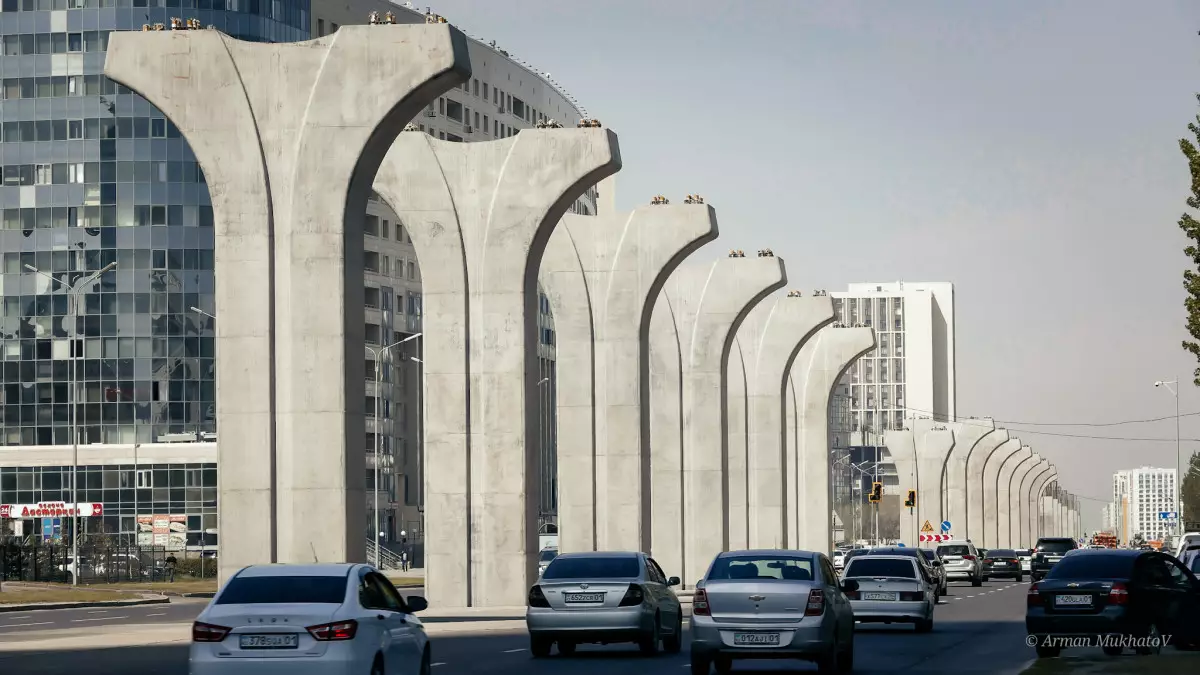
<point>1011,502</point>
<point>602,275</point>
<point>289,166</point>
<point>977,630</point>
<point>1032,503</point>
<point>480,216</point>
<point>1001,535</point>
<point>1019,498</point>
<point>902,444</point>
<point>977,460</point>
<point>991,477</point>
<point>934,441</point>
<point>967,435</point>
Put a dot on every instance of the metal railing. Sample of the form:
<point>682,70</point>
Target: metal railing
<point>101,564</point>
<point>389,560</point>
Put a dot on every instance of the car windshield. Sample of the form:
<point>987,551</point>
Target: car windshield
<point>324,590</point>
<point>593,567</point>
<point>1002,553</point>
<point>1095,566</point>
<point>881,567</point>
<point>1056,546</point>
<point>548,555</point>
<point>953,549</point>
<point>761,567</point>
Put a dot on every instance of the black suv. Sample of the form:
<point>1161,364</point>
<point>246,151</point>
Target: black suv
<point>1049,550</point>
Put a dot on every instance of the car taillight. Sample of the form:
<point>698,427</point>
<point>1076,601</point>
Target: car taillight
<point>987,561</point>
<point>816,603</point>
<point>911,596</point>
<point>968,557</point>
<point>633,597</point>
<point>1034,597</point>
<point>207,632</point>
<point>1118,594</point>
<point>537,598</point>
<point>334,632</point>
<point>700,603</point>
<point>853,595</point>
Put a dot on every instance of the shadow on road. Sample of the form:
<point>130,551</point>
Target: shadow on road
<point>157,660</point>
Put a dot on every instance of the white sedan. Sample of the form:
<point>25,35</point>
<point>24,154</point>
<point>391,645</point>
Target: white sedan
<point>309,619</point>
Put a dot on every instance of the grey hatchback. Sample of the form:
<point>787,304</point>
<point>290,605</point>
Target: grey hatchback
<point>605,598</point>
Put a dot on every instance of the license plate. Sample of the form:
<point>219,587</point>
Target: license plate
<point>583,597</point>
<point>1000,564</point>
<point>878,596</point>
<point>770,639</point>
<point>1072,600</point>
<point>278,641</point>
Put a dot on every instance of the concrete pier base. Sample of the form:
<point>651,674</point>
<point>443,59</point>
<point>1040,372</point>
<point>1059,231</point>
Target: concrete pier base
<point>991,476</point>
<point>977,459</point>
<point>289,169</point>
<point>480,216</point>
<point>816,370</point>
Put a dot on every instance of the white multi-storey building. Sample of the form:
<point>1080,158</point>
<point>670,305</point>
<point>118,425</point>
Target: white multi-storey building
<point>1141,497</point>
<point>910,373</point>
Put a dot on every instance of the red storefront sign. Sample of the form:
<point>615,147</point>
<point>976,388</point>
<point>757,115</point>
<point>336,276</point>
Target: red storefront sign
<point>51,510</point>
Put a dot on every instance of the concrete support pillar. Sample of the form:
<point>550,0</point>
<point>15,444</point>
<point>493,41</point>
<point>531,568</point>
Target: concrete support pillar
<point>665,412</point>
<point>977,460</point>
<point>1019,502</point>
<point>816,370</point>
<point>1029,529</point>
<point>289,174</point>
<point>934,441</point>
<point>791,471</point>
<point>1044,507</point>
<point>602,275</point>
<point>1002,535</point>
<point>767,344</point>
<point>967,435</point>
<point>991,480</point>
<point>480,216</point>
<point>902,445</point>
<point>708,303</point>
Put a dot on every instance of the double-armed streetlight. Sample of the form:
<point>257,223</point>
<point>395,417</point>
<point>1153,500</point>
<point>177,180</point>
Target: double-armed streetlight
<point>74,291</point>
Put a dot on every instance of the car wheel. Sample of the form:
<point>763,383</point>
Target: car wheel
<point>673,643</point>
<point>1047,652</point>
<point>724,665</point>
<point>1113,650</point>
<point>830,661</point>
<point>426,662</point>
<point>377,666</point>
<point>649,643</point>
<point>1153,642</point>
<point>566,647</point>
<point>700,665</point>
<point>985,578</point>
<point>539,646</point>
<point>924,625</point>
<point>1020,578</point>
<point>846,664</point>
<point>976,582</point>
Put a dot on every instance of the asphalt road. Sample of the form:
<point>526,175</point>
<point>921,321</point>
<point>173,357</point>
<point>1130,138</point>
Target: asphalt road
<point>179,609</point>
<point>977,630</point>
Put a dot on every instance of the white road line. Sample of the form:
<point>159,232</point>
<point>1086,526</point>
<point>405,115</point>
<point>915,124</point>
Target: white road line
<point>99,618</point>
<point>98,611</point>
<point>513,651</point>
<point>439,663</point>
<point>21,625</point>
<point>958,598</point>
<point>159,614</point>
<point>18,618</point>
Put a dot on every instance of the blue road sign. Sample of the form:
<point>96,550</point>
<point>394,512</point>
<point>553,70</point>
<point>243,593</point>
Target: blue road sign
<point>1167,515</point>
<point>945,526</point>
<point>900,545</point>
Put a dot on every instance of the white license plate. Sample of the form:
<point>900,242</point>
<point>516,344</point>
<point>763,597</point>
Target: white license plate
<point>279,641</point>
<point>1072,600</point>
<point>583,597</point>
<point>878,596</point>
<point>770,639</point>
<point>1000,564</point>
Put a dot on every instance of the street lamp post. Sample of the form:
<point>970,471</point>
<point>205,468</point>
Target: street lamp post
<point>73,292</point>
<point>377,353</point>
<point>1178,466</point>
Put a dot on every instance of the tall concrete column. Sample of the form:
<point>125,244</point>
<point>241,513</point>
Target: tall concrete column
<point>1029,529</point>
<point>1042,503</point>
<point>902,445</point>
<point>934,441</point>
<point>977,460</point>
<point>1002,504</point>
<point>769,341</point>
<point>709,303</point>
<point>1018,503</point>
<point>602,275</point>
<point>289,170</point>
<point>736,470</point>
<point>480,216</point>
<point>816,370</point>
<point>967,434</point>
<point>991,481</point>
<point>665,413</point>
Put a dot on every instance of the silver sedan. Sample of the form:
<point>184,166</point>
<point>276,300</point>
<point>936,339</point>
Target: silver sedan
<point>772,604</point>
<point>604,598</point>
<point>890,589</point>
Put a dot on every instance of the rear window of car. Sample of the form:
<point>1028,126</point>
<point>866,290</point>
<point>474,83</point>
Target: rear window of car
<point>1002,553</point>
<point>1024,551</point>
<point>881,567</point>
<point>954,549</point>
<point>548,555</point>
<point>1056,546</point>
<point>598,567</point>
<point>1196,565</point>
<point>761,567</point>
<point>1093,567</point>
<point>324,590</point>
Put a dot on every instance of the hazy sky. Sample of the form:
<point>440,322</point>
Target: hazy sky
<point>1026,151</point>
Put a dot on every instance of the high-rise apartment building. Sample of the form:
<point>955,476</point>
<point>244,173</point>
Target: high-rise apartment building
<point>92,175</point>
<point>910,373</point>
<point>1143,501</point>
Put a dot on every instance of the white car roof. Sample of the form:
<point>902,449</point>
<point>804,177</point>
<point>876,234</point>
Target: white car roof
<point>281,570</point>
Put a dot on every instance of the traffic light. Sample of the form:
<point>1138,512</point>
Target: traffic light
<point>876,492</point>
<point>912,499</point>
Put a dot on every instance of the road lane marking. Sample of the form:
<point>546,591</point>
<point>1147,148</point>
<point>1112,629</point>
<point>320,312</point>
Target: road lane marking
<point>439,663</point>
<point>21,625</point>
<point>513,651</point>
<point>97,611</point>
<point>159,614</point>
<point>958,598</point>
<point>99,618</point>
<point>23,616</point>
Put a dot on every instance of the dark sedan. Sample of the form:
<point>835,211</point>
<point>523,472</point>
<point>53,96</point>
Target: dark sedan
<point>1123,598</point>
<point>1047,553</point>
<point>1004,562</point>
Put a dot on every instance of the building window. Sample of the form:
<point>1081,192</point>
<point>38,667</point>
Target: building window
<point>475,83</point>
<point>320,27</point>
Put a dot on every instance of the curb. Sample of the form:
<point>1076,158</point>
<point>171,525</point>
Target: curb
<point>161,600</point>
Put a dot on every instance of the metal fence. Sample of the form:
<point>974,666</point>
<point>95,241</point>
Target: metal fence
<point>101,564</point>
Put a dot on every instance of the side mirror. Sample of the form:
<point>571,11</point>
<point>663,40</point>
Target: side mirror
<point>416,604</point>
<point>849,585</point>
<point>936,563</point>
<point>673,581</point>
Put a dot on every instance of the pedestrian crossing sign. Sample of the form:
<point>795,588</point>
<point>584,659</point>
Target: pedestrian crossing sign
<point>927,527</point>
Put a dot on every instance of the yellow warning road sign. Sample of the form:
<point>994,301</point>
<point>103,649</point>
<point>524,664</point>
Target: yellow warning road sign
<point>927,527</point>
